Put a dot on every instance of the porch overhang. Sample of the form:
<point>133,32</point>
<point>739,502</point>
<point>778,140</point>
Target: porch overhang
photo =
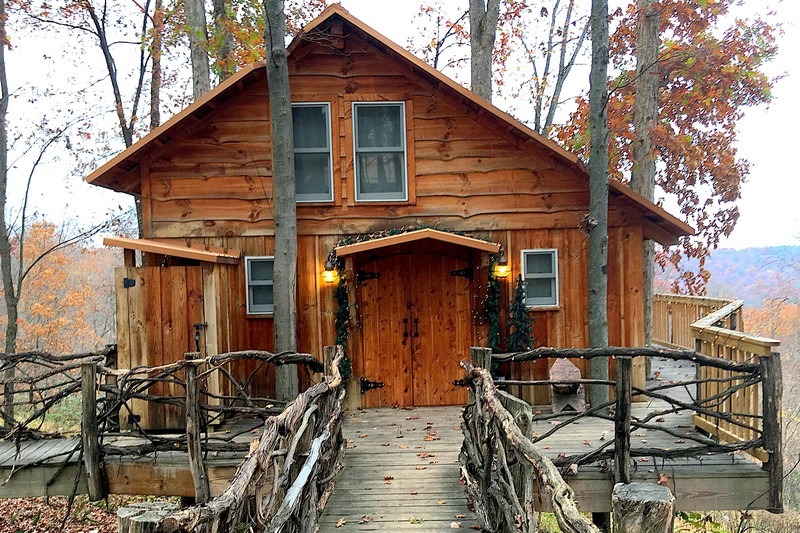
<point>418,235</point>
<point>208,254</point>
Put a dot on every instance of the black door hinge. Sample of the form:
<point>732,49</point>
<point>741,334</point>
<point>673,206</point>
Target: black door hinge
<point>367,385</point>
<point>127,283</point>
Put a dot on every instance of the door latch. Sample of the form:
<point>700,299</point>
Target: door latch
<point>367,385</point>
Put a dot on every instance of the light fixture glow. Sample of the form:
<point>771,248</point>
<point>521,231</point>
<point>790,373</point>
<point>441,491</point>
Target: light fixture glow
<point>501,267</point>
<point>329,274</point>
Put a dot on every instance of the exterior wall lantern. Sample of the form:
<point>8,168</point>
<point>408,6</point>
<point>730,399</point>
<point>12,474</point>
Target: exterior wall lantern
<point>329,274</point>
<point>501,267</point>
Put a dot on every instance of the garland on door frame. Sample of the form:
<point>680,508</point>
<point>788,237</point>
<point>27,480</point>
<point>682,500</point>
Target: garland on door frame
<point>519,321</point>
<point>492,308</point>
<point>342,320</point>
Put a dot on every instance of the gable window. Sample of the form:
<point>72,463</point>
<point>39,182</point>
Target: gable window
<point>541,277</point>
<point>380,150</point>
<point>313,168</point>
<point>259,285</point>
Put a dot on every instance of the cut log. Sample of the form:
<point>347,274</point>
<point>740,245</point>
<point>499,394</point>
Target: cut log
<point>642,508</point>
<point>569,397</point>
<point>142,517</point>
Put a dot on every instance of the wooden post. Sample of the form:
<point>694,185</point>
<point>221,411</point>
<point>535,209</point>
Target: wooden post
<point>202,490</point>
<point>642,508</point>
<point>772,391</point>
<point>90,434</point>
<point>622,422</point>
<point>481,357</point>
<point>142,517</point>
<point>328,355</point>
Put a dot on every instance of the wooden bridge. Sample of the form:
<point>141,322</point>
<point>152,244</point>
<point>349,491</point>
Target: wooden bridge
<point>709,419</point>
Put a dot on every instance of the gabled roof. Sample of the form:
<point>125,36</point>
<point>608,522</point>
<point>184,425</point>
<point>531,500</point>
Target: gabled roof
<point>413,236</point>
<point>121,173</point>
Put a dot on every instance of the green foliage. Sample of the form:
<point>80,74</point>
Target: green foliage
<point>519,323</point>
<point>701,522</point>
<point>342,320</point>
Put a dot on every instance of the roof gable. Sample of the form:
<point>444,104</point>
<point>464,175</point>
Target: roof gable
<point>123,173</point>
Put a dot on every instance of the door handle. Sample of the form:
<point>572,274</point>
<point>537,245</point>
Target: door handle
<point>406,333</point>
<point>416,327</point>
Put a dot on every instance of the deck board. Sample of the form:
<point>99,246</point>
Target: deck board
<point>401,470</point>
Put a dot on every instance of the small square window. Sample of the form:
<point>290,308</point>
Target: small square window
<point>541,277</point>
<point>259,271</point>
<point>380,151</point>
<point>312,152</point>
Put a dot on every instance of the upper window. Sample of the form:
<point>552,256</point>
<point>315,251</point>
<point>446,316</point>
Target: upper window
<point>259,285</point>
<point>312,152</point>
<point>541,277</point>
<point>380,150</point>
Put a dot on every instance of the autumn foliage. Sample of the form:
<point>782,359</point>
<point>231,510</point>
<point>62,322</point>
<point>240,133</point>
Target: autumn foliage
<point>709,75</point>
<point>66,303</point>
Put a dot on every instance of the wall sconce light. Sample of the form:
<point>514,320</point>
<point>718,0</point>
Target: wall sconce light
<point>329,274</point>
<point>501,267</point>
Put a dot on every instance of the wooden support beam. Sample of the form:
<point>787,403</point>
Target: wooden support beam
<point>772,391</point>
<point>193,428</point>
<point>329,354</point>
<point>89,433</point>
<point>622,421</point>
<point>642,508</point>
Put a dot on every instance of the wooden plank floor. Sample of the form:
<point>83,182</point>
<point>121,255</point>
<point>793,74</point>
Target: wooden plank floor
<point>401,472</point>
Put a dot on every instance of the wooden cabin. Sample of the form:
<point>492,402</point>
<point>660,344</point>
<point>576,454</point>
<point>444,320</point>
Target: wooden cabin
<point>383,143</point>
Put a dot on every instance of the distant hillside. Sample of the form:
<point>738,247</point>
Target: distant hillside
<point>753,274</point>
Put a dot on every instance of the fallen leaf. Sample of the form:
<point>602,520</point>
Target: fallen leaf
<point>660,419</point>
<point>441,502</point>
<point>363,435</point>
<point>603,435</point>
<point>643,459</point>
<point>545,447</point>
<point>366,519</point>
<point>455,525</point>
<point>663,479</point>
<point>342,521</point>
<point>385,444</point>
<point>414,493</point>
<point>422,468</point>
<point>680,441</point>
<point>587,442</point>
<point>460,516</point>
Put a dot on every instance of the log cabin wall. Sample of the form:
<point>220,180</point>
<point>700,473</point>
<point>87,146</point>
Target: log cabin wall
<point>466,172</point>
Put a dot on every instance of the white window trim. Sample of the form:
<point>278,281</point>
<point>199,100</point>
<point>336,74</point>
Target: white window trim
<point>306,198</point>
<point>380,197</point>
<point>533,304</point>
<point>247,261</point>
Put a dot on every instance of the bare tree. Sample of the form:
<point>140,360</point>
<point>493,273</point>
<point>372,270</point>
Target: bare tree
<point>285,268</point>
<point>596,223</point>
<point>645,112</point>
<point>483,17</point>
<point>198,45</point>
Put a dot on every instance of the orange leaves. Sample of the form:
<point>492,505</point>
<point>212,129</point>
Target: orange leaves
<point>709,74</point>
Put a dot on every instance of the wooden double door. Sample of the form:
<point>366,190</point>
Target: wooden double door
<point>416,325</point>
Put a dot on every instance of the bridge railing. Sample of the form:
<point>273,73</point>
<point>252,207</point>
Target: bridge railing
<point>286,479</point>
<point>499,460</point>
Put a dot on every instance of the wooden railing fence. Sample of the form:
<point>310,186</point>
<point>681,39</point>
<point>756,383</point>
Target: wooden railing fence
<point>736,410</point>
<point>499,461</point>
<point>286,479</point>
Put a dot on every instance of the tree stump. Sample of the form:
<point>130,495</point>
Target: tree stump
<point>642,508</point>
<point>142,517</point>
<point>566,397</point>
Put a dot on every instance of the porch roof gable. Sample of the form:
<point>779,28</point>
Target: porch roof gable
<point>209,254</point>
<point>418,235</point>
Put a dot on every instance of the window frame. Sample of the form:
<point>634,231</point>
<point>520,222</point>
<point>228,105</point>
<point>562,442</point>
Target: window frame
<point>262,309</point>
<point>380,197</point>
<point>307,198</point>
<point>539,303</point>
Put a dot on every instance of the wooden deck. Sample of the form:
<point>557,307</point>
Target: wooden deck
<point>418,450</point>
<point>401,471</point>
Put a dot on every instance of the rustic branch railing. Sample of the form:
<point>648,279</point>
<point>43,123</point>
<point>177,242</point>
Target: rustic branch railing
<point>498,459</point>
<point>286,479</point>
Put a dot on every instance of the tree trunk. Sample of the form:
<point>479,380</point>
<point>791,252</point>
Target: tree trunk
<point>645,112</point>
<point>198,44</point>
<point>155,72</point>
<point>483,15</point>
<point>9,289</point>
<point>226,66</point>
<point>597,222</point>
<point>285,270</point>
